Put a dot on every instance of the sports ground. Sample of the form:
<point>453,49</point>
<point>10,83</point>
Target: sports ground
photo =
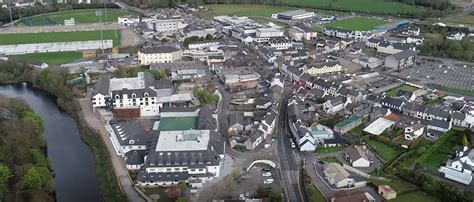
<point>82,16</point>
<point>177,123</point>
<point>54,58</point>
<point>356,23</point>
<point>48,37</point>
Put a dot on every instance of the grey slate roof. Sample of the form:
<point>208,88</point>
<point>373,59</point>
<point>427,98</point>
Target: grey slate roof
<point>143,176</point>
<point>102,86</point>
<point>404,54</point>
<point>134,132</point>
<point>135,157</point>
<point>439,123</point>
<point>438,112</point>
<point>458,116</point>
<point>160,49</point>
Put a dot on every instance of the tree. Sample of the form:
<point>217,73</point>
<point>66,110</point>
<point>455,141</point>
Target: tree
<point>173,192</point>
<point>32,179</point>
<point>464,141</point>
<point>209,37</point>
<point>261,192</point>
<point>5,175</point>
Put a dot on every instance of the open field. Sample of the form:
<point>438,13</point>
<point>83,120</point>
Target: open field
<point>356,23</point>
<point>55,58</point>
<point>242,10</point>
<point>177,123</point>
<point>385,151</point>
<point>47,37</point>
<point>365,6</point>
<point>415,196</point>
<point>467,19</point>
<point>439,153</point>
<point>81,16</point>
<point>396,184</point>
<point>404,87</point>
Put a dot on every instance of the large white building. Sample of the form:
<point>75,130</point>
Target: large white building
<point>323,68</point>
<point>293,15</point>
<point>165,24</point>
<point>159,54</point>
<point>191,156</point>
<point>268,32</point>
<point>140,96</point>
<point>20,49</point>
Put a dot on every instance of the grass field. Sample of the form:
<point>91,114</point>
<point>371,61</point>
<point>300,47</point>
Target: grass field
<point>177,123</point>
<point>415,196</point>
<point>82,16</point>
<point>331,159</point>
<point>242,10</point>
<point>440,155</point>
<point>356,23</point>
<point>366,6</point>
<point>47,37</point>
<point>385,151</point>
<point>467,19</point>
<point>405,87</point>
<point>323,150</point>
<point>56,58</point>
<point>315,194</point>
<point>396,184</point>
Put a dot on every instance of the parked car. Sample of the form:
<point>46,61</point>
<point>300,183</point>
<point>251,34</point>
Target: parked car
<point>266,169</point>
<point>268,174</point>
<point>293,145</point>
<point>266,146</point>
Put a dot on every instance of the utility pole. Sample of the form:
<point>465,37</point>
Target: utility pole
<point>10,9</point>
<point>99,13</point>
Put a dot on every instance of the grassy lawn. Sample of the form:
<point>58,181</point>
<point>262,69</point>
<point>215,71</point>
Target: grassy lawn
<point>47,37</point>
<point>56,58</point>
<point>366,6</point>
<point>405,87</point>
<point>81,16</point>
<point>385,151</point>
<point>415,196</point>
<point>356,23</point>
<point>396,184</point>
<point>467,19</point>
<point>331,159</point>
<point>263,20</point>
<point>160,191</point>
<point>242,10</point>
<point>455,90</point>
<point>177,123</point>
<point>316,195</point>
<point>324,150</point>
<point>438,154</point>
<point>407,163</point>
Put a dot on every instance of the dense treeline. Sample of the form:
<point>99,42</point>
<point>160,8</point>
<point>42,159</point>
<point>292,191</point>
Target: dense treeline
<point>436,44</point>
<point>433,4</point>
<point>55,83</point>
<point>25,173</point>
<point>38,8</point>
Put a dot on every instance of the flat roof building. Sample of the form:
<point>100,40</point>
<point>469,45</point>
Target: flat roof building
<point>293,15</point>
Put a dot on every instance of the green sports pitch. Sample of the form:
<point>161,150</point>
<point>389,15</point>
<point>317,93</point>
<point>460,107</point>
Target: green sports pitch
<point>356,23</point>
<point>82,16</point>
<point>177,123</point>
<point>50,37</point>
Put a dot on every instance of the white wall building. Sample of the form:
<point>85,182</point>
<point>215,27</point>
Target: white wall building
<point>159,54</point>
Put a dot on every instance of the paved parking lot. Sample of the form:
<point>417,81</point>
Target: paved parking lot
<point>443,74</point>
<point>250,180</point>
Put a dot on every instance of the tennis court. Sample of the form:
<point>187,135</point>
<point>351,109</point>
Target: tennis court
<point>177,123</point>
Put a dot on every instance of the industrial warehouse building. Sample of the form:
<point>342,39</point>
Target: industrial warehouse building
<point>293,15</point>
<point>21,49</point>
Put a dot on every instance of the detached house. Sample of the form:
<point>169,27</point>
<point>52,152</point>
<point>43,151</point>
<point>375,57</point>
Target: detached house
<point>337,176</point>
<point>335,104</point>
<point>460,169</point>
<point>356,155</point>
<point>414,131</point>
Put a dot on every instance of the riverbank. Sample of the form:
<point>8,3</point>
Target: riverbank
<point>55,84</point>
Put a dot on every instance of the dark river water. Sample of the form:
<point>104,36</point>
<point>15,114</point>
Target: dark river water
<point>73,162</point>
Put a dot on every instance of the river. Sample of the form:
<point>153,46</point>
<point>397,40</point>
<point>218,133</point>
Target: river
<point>73,162</point>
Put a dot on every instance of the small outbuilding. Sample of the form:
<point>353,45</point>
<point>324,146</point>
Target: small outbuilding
<point>387,192</point>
